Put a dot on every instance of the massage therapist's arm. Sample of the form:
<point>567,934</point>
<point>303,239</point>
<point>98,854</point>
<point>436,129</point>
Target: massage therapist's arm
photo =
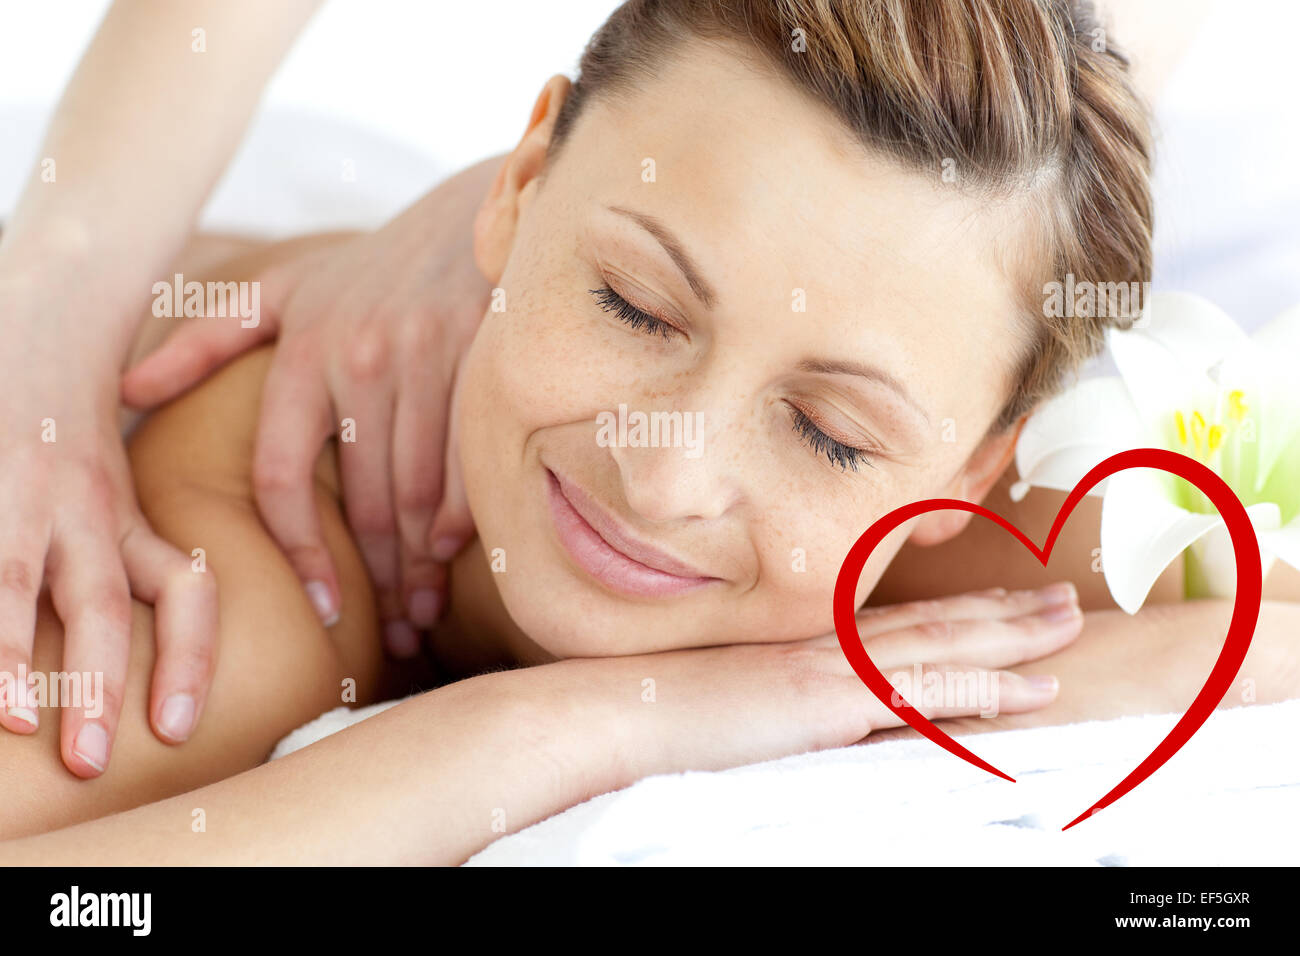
<point>140,135</point>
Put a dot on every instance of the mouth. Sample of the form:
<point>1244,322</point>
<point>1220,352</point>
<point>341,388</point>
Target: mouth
<point>600,546</point>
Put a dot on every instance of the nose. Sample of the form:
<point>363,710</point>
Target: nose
<point>683,462</point>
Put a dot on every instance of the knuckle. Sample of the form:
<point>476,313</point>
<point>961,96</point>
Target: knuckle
<point>930,608</point>
<point>419,333</point>
<point>199,661</point>
<point>112,606</point>
<point>296,353</point>
<point>274,474</point>
<point>97,489</point>
<point>368,351</point>
<point>418,500</point>
<point>939,630</point>
<point>195,585</point>
<point>12,653</point>
<point>372,521</point>
<point>19,579</point>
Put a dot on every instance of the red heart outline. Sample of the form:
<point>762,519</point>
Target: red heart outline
<point>1245,610</point>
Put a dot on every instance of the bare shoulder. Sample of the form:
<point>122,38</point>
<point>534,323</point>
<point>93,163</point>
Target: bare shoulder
<point>985,556</point>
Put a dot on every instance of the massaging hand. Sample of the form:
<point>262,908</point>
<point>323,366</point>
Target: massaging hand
<point>721,707</point>
<point>72,521</point>
<point>371,333</point>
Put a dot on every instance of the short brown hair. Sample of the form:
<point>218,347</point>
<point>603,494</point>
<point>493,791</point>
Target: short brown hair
<point>1024,97</point>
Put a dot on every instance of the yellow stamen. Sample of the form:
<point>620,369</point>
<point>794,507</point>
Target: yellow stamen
<point>1237,405</point>
<point>1198,431</point>
<point>1216,437</point>
<point>1182,428</point>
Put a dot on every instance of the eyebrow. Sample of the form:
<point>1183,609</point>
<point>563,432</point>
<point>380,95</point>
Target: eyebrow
<point>704,292</point>
<point>872,372</point>
<point>673,246</point>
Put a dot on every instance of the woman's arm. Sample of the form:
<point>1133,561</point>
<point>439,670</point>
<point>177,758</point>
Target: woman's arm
<point>438,777</point>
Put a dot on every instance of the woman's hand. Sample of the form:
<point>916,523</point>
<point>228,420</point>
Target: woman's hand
<point>371,334</point>
<point>71,518</point>
<point>712,708</point>
<point>1156,662</point>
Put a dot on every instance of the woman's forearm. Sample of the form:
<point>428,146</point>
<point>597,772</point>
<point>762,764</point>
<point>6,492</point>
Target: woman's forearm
<point>430,781</point>
<point>149,120</point>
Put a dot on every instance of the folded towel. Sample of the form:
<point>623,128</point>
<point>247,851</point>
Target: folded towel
<point>1229,797</point>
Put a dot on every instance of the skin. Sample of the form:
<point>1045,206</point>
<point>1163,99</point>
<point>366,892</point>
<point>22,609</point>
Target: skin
<point>355,339</point>
<point>938,317</point>
<point>543,737</point>
<point>88,242</point>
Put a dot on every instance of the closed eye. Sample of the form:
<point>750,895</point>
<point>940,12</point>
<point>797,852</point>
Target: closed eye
<point>836,452</point>
<point>626,312</point>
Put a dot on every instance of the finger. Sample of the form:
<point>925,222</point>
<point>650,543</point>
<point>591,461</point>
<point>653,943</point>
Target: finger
<point>453,525</point>
<point>992,642</point>
<point>423,588</point>
<point>188,356</point>
<point>89,587</point>
<point>419,441</point>
<point>941,691</point>
<point>294,423</point>
<point>364,466</point>
<point>22,561</point>
<point>183,592</point>
<point>991,604</point>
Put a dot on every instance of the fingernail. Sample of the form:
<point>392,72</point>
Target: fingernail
<point>1061,591</point>
<point>444,549</point>
<point>319,594</point>
<point>423,607</point>
<point>1043,683</point>
<point>25,714</point>
<point>401,639</point>
<point>1060,613</point>
<point>91,745</point>
<point>177,717</point>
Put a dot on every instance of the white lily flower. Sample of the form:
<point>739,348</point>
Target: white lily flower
<point>1193,382</point>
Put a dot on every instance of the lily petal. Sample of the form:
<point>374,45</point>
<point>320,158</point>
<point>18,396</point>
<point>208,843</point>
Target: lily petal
<point>1071,432</point>
<point>1280,336</point>
<point>1167,357</point>
<point>1142,531</point>
<point>1194,331</point>
<point>1216,559</point>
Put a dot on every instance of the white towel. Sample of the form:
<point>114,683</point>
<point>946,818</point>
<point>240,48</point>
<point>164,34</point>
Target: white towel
<point>1229,797</point>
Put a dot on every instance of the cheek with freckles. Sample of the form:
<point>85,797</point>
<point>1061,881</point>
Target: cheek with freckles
<point>801,548</point>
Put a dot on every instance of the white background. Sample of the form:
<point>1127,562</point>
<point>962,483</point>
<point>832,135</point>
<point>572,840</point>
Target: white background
<point>412,89</point>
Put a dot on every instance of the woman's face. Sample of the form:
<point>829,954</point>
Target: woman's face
<point>822,336</point>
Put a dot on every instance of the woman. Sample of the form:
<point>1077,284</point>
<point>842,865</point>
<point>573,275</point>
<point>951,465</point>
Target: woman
<point>783,254</point>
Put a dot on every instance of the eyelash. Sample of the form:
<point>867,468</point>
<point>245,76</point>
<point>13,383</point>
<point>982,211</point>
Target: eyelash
<point>837,453</point>
<point>626,312</point>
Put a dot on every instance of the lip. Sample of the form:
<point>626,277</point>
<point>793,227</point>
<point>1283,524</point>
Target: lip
<point>601,547</point>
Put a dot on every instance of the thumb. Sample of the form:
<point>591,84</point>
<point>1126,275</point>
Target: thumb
<point>188,356</point>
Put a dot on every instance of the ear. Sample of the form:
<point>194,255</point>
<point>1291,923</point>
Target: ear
<point>516,183</point>
<point>982,471</point>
